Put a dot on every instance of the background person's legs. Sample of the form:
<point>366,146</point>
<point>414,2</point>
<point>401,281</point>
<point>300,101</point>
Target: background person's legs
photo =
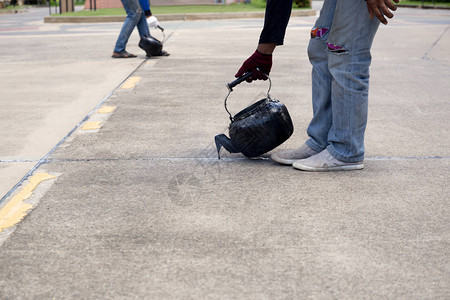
<point>142,26</point>
<point>134,14</point>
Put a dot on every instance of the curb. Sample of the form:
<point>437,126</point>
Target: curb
<point>175,17</point>
<point>422,6</point>
<point>12,11</point>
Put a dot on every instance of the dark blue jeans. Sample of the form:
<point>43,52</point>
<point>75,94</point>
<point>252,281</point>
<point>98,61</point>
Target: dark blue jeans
<point>135,17</point>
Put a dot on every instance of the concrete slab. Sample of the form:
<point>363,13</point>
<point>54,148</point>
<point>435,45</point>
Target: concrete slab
<point>49,85</point>
<point>142,208</point>
<point>410,124</point>
<point>11,171</point>
<point>207,229</point>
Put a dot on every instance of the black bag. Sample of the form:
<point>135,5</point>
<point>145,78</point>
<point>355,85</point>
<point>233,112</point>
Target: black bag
<point>256,129</point>
<point>150,45</point>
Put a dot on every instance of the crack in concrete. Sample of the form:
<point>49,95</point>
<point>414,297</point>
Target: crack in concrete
<point>181,159</point>
<point>425,56</point>
<point>45,159</point>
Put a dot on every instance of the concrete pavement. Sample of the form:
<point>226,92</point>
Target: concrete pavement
<point>141,208</point>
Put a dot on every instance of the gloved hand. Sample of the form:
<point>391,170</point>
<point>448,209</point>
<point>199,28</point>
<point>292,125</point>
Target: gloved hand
<point>258,60</point>
<point>152,21</point>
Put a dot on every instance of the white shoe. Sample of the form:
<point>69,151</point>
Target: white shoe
<point>324,161</point>
<point>288,157</point>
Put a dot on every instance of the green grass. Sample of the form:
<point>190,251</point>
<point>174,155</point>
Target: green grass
<point>428,3</point>
<point>179,9</point>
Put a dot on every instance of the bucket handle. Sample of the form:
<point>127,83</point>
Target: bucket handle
<point>232,84</point>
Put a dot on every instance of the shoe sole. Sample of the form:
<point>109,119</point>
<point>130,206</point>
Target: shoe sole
<point>282,161</point>
<point>326,169</point>
<point>116,56</point>
<point>285,161</point>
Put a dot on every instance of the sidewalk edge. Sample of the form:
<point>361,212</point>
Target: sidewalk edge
<point>174,17</point>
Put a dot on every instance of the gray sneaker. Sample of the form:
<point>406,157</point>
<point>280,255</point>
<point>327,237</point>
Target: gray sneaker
<point>324,161</point>
<point>288,157</point>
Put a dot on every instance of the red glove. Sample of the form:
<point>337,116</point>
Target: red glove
<point>258,60</point>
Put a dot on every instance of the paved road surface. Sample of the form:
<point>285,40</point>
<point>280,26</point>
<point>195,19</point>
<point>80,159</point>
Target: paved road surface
<point>141,208</point>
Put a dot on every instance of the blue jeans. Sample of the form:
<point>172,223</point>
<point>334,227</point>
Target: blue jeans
<point>339,51</point>
<point>135,16</point>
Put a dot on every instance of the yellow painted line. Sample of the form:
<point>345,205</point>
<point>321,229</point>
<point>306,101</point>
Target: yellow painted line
<point>15,216</point>
<point>92,125</point>
<point>150,62</point>
<point>106,109</point>
<point>15,210</point>
<point>131,82</point>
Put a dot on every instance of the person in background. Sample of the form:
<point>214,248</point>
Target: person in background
<point>339,51</point>
<point>137,12</point>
